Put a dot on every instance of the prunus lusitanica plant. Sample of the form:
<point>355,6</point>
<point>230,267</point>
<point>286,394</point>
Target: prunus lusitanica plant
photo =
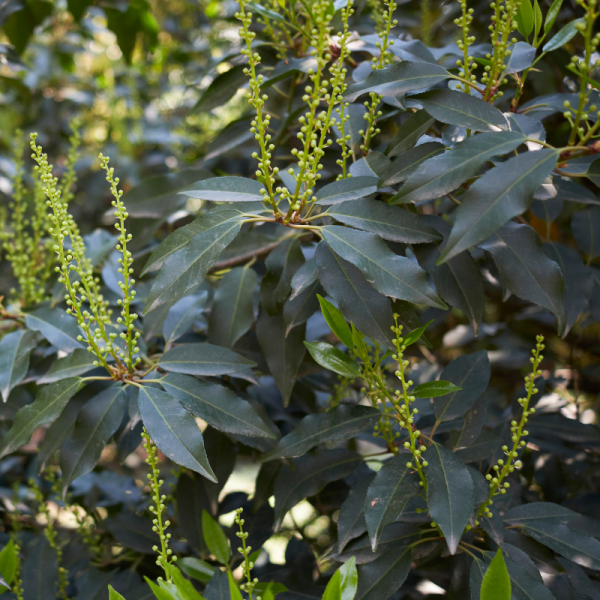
<point>352,352</point>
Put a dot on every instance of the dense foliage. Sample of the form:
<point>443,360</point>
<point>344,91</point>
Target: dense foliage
<point>345,340</point>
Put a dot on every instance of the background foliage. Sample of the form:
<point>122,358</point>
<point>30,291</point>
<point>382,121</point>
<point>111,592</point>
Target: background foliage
<point>287,434</point>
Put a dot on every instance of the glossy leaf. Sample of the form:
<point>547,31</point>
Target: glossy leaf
<point>347,189</point>
<point>80,361</point>
<point>196,568</point>
<point>501,194</point>
<point>496,581</point>
<point>415,335</point>
<point>343,584</point>
<point>15,349</point>
<point>392,275</point>
<point>182,315</point>
<point>434,389</point>
<point>410,131</point>
<point>446,172</point>
<point>359,302</point>
<point>526,585</point>
<point>390,223</point>
<point>401,168</point>
<point>521,58</point>
<point>59,328</point>
<point>48,405</point>
<point>217,405</point>
<point>215,539</point>
<point>586,230</point>
<point>337,323</point>
<point>566,34</point>
<point>188,266</point>
<point>471,373</point>
<point>450,493</point>
<point>96,423</point>
<point>340,423</point>
<point>8,564</point>
<point>463,110</point>
<point>304,277</point>
<point>381,578</point>
<point>221,89</point>
<point>539,511</point>
<point>552,14</point>
<point>231,313</point>
<point>174,430</point>
<point>351,521</point>
<point>39,571</point>
<point>113,594</point>
<point>398,78</point>
<point>298,310</point>
<point>225,189</point>
<point>329,357</point>
<point>203,360</point>
<point>311,474</point>
<point>524,18</point>
<point>393,486</point>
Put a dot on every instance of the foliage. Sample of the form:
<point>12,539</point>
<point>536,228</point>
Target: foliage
<point>296,371</point>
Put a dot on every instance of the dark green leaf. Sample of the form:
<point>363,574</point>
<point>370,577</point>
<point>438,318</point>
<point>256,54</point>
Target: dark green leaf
<point>304,277</point>
<point>329,357</point>
<point>449,493</point>
<point>445,173</point>
<point>311,474</point>
<point>525,269</point>
<point>59,328</point>
<point>523,585</point>
<point>298,310</point>
<point>222,88</point>
<point>521,58</point>
<point>433,389</point>
<point>410,131</point>
<point>458,281</point>
<point>381,578</point>
<point>586,230</point>
<point>405,76</point>
<point>393,275</point>
<point>287,67</point>
<point>359,302</point>
<point>340,423</point>
<point>402,168</point>
<point>372,165</point>
<point>196,568</point>
<point>391,489</point>
<point>464,110</point>
<point>217,405</point>
<point>343,190</point>
<point>39,571</point>
<point>188,266</point>
<point>283,353</point>
<point>204,360</point>
<point>182,315</point>
<point>566,34</point>
<point>15,349</point>
<point>96,423</point>
<point>268,14</point>
<point>578,547</point>
<point>471,373</point>
<point>231,314</point>
<point>351,521</point>
<point>415,334</point>
<point>48,405</point>
<point>391,223</point>
<point>77,363</point>
<point>501,194</point>
<point>496,582</point>
<point>282,264</point>
<point>536,511</point>
<point>578,281</point>
<point>225,189</point>
<point>174,430</point>
<point>336,322</point>
<point>552,14</point>
<point>524,18</point>
<point>215,539</point>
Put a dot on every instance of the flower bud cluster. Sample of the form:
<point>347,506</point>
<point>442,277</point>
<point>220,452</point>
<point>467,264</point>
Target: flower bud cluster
<point>244,550</point>
<point>467,65</point>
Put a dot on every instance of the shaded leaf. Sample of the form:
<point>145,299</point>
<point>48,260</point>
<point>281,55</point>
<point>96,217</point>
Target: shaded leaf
<point>351,520</point>
<point>521,58</point>
<point>402,168</point>
<point>225,189</point>
<point>96,422</point>
<point>182,315</point>
<point>302,307</point>
<point>15,348</point>
<point>523,585</point>
<point>501,194</point>
<point>222,88</point>
<point>445,173</point>
<point>80,361</point>
<point>381,578</point>
<point>304,277</point>
<point>174,430</point>
<point>39,571</point>
<point>393,485</point>
<point>217,405</point>
<point>525,268</point>
<point>410,131</point>
<point>340,423</point>
<point>450,494</point>
<point>344,190</point>
<point>59,328</point>
<point>311,474</point>
<point>393,275</point>
<point>536,511</point>
<point>204,360</point>
<point>329,357</point>
<point>586,230</point>
<point>434,389</point>
<point>405,76</point>
<point>48,405</point>
<point>566,34</point>
<point>231,314</point>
